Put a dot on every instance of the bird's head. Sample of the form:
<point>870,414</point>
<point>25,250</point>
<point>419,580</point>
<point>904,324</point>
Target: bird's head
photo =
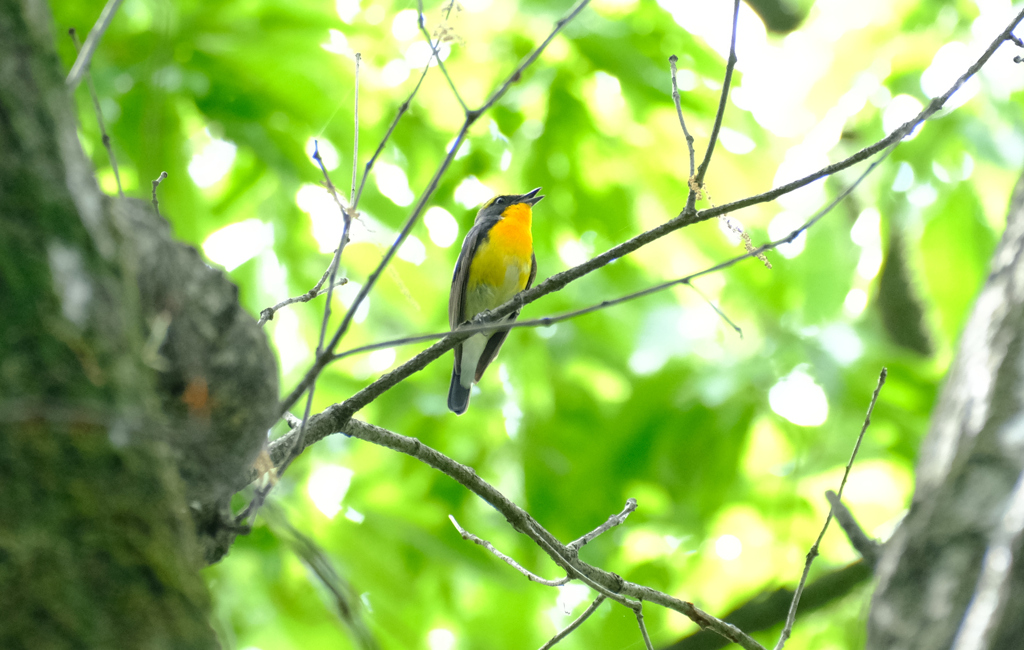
<point>494,208</point>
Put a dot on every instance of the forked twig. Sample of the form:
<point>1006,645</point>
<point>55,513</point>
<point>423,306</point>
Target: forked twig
<point>698,179</point>
<point>575,624</point>
<point>315,292</point>
<point>612,522</point>
<point>437,55</point>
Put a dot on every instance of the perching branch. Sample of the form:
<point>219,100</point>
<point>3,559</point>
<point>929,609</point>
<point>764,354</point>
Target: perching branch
<point>813,553</point>
<point>333,418</point>
<point>338,417</point>
<point>685,218</point>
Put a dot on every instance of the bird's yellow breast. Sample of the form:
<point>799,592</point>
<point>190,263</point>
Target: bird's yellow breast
<point>501,266</point>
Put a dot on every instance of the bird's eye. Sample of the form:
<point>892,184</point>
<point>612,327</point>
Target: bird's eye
<point>499,201</point>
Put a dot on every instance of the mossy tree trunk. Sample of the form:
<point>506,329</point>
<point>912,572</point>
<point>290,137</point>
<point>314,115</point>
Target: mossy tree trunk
<point>97,549</point>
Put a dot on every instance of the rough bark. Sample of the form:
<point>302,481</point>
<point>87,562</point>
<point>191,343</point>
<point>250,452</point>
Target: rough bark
<point>952,575</point>
<point>123,359</point>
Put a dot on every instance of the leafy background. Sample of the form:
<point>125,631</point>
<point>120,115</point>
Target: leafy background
<point>723,439</point>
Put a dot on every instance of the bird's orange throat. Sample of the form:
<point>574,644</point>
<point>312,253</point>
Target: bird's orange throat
<point>514,230</point>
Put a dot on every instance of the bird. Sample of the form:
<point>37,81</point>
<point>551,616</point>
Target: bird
<point>495,264</point>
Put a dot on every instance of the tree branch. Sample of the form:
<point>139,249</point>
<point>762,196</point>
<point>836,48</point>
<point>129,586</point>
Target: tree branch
<point>560,280</point>
<point>520,520</point>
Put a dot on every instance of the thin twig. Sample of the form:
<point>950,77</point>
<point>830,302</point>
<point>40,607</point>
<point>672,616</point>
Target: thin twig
<point>437,55</point>
<point>813,553</point>
<point>897,135</point>
<point>718,310</point>
<point>612,522</point>
<point>735,227</point>
<point>346,213</point>
<point>92,41</point>
<point>156,183</point>
<point>268,313</point>
<point>364,291</point>
<point>679,111</point>
<point>867,547</point>
<point>355,136</point>
<point>575,624</point>
<point>99,116</point>
<point>698,180</point>
<point>563,559</point>
<point>402,109</point>
<point>468,536</point>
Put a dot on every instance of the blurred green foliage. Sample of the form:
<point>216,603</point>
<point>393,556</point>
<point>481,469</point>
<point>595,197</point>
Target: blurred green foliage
<point>658,399</point>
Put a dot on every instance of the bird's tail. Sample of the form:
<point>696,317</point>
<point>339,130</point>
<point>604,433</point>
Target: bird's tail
<point>458,395</point>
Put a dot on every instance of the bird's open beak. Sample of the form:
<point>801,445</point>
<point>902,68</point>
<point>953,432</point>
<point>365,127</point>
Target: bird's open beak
<point>530,197</point>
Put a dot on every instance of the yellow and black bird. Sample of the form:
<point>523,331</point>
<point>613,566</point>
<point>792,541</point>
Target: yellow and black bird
<point>495,264</point>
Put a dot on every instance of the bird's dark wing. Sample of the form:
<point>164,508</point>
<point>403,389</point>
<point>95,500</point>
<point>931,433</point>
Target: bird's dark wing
<point>460,278</point>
